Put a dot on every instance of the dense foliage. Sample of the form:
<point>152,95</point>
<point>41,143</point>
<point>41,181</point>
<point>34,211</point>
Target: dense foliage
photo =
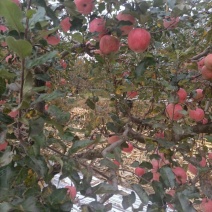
<point>146,64</point>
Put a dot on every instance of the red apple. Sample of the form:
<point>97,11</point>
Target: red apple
<point>182,95</point>
<point>3,28</point>
<point>197,115</point>
<point>206,73</point>
<point>63,64</point>
<point>210,155</point>
<point>170,23</point>
<point>52,40</point>
<point>138,40</point>
<point>205,121</point>
<point>63,81</point>
<point>156,176</point>
<point>113,139</point>
<point>84,7</point>
<point>201,63</point>
<point>132,94</point>
<point>65,24</point>
<point>2,102</point>
<point>116,162</point>
<point>98,25</point>
<point>206,205</point>
<point>13,113</point>
<point>71,191</point>
<point>173,111</point>
<point>203,163</point>
<point>128,149</point>
<point>208,61</point>
<point>198,94</point>
<point>181,176</point>
<point>48,84</point>
<point>192,169</point>
<point>139,171</point>
<point>3,146</point>
<point>109,44</point>
<point>46,107</point>
<point>159,135</point>
<point>172,193</point>
<point>126,17</point>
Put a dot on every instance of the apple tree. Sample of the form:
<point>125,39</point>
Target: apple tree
<point>149,62</point>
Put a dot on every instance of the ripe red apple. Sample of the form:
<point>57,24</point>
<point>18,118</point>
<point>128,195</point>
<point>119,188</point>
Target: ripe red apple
<point>170,23</point>
<point>48,84</point>
<point>206,73</point>
<point>84,7</point>
<point>156,175</point>
<point>13,113</point>
<point>126,17</point>
<point>53,40</point>
<point>63,81</point>
<point>200,64</point>
<point>210,155</point>
<point>71,191</point>
<point>63,64</point>
<point>173,111</point>
<point>197,115</point>
<point>113,139</point>
<point>159,135</point>
<point>138,40</point>
<point>3,28</point>
<point>132,94</point>
<point>97,25</point>
<point>3,146</point>
<point>128,149</point>
<point>205,121</point>
<point>139,171</point>
<point>172,193</point>
<point>181,176</point>
<point>46,107</point>
<point>182,95</point>
<point>203,163</point>
<point>198,94</point>
<point>65,24</point>
<point>192,169</point>
<point>206,205</point>
<point>108,44</point>
<point>116,162</point>
<point>2,102</point>
<point>208,61</point>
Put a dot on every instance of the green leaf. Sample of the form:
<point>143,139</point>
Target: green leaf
<point>141,193</point>
<point>2,86</point>
<point>48,97</point>
<point>6,74</point>
<point>13,15</point>
<point>128,200</point>
<point>38,16</point>
<point>171,3</point>
<point>104,188</point>
<point>90,103</point>
<point>5,118</point>
<point>6,157</point>
<point>5,206</point>
<point>182,203</point>
<point>40,60</point>
<point>158,188</point>
<point>22,47</point>
<point>108,163</point>
<point>38,164</point>
<point>58,196</point>
<point>146,164</point>
<point>30,205</point>
<point>77,37</point>
<point>145,179</point>
<point>36,127</point>
<point>77,145</point>
<point>167,176</point>
<point>60,116</point>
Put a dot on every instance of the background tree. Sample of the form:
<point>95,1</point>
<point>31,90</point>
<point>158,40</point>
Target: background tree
<point>142,70</point>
